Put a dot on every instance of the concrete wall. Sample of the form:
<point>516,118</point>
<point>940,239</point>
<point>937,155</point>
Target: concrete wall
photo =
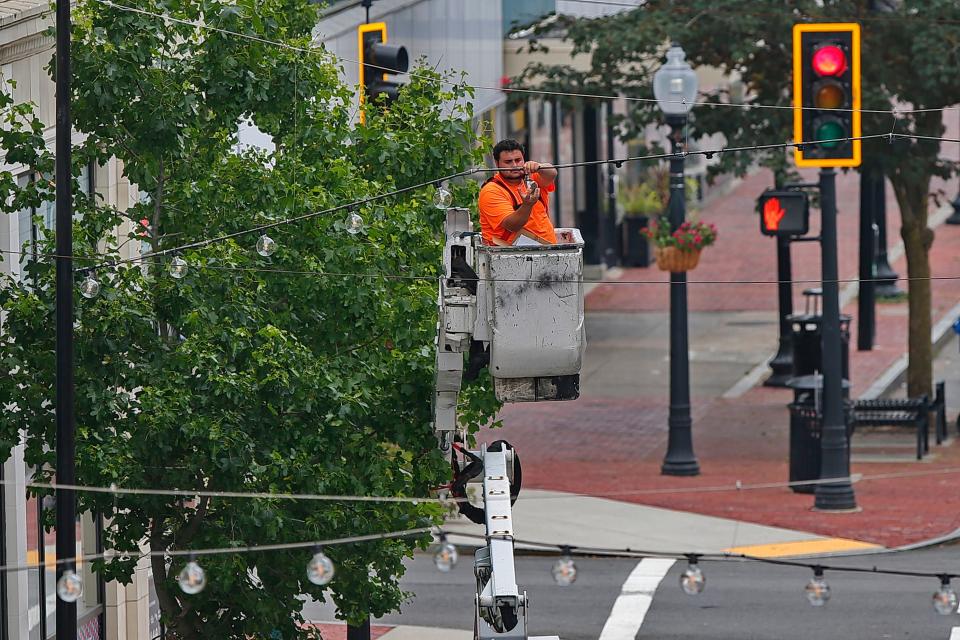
<point>450,34</point>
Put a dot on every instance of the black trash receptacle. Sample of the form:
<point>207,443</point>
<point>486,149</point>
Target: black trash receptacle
<point>636,248</point>
<point>806,427</point>
<point>807,336</point>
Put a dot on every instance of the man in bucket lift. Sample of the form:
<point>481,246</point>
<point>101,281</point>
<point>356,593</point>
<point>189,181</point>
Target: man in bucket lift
<point>513,202</point>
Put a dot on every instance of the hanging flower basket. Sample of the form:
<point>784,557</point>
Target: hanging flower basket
<point>679,250</point>
<point>676,260</point>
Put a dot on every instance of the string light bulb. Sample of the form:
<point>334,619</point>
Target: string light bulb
<point>178,267</point>
<point>192,578</point>
<point>442,198</point>
<point>692,581</point>
<point>89,288</point>
<point>320,569</point>
<point>266,246</point>
<point>817,590</point>
<point>354,223</point>
<point>945,598</point>
<point>446,556</point>
<point>564,569</point>
<point>69,586</point>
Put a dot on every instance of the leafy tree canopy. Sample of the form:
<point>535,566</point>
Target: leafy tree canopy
<point>250,373</point>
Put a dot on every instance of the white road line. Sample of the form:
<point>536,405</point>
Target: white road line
<point>635,599</point>
<point>955,634</point>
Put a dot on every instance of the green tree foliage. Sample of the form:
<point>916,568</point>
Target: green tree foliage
<point>910,48</point>
<point>234,378</point>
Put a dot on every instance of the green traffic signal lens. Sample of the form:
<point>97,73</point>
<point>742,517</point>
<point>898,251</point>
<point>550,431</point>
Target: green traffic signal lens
<point>830,130</point>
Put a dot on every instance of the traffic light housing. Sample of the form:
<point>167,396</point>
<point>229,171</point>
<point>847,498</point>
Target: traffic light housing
<point>826,94</point>
<point>784,213</point>
<point>377,59</point>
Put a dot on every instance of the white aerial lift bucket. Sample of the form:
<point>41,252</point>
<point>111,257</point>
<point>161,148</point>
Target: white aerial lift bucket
<point>531,299</point>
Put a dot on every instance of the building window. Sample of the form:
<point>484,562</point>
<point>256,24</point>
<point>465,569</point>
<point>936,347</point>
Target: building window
<point>33,222</point>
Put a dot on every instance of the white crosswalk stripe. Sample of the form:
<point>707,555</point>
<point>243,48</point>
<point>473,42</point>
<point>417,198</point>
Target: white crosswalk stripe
<point>635,599</point>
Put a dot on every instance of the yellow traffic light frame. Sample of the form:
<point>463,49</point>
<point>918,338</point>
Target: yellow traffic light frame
<point>853,29</point>
<point>362,30</point>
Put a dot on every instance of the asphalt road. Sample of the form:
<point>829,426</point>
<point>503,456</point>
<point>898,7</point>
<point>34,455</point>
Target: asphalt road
<point>743,600</point>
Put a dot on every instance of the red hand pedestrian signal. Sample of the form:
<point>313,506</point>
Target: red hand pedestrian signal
<point>773,213</point>
<point>784,213</point>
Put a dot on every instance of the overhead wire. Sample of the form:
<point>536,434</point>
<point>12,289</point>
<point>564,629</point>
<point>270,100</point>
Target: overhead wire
<point>211,551</point>
<point>507,89</point>
<point>627,552</point>
<point>736,487</point>
<point>707,153</point>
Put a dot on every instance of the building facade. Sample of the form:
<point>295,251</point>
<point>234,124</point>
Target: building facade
<point>28,597</point>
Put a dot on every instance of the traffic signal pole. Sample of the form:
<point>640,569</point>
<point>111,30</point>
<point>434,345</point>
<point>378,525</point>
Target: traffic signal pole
<point>834,445</point>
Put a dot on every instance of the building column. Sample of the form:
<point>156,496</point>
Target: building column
<point>15,543</point>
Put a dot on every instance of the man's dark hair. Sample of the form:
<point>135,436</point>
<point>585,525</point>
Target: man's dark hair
<point>507,145</point>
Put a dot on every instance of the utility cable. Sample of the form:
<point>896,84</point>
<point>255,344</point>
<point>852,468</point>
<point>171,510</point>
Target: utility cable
<point>707,153</point>
<point>738,486</point>
<point>627,552</point>
<point>312,50</point>
<point>173,553</point>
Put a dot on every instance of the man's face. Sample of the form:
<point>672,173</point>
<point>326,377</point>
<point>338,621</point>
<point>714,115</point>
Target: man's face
<point>511,163</point>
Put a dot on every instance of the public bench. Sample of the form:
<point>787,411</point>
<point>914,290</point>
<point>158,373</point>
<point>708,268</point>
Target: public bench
<point>909,412</point>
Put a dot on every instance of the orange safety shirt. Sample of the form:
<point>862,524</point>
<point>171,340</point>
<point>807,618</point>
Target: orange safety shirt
<point>497,201</point>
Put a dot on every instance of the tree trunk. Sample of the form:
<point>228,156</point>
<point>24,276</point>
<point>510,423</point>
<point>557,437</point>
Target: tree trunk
<point>180,625</point>
<point>917,240</point>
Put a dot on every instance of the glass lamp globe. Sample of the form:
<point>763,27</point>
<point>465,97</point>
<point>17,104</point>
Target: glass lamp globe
<point>320,569</point>
<point>817,591</point>
<point>69,586</point>
<point>692,581</point>
<point>675,84</point>
<point>192,578</point>
<point>178,267</point>
<point>89,288</point>
<point>266,246</point>
<point>446,556</point>
<point>354,223</point>
<point>945,598</point>
<point>442,198</point>
<point>564,571</point>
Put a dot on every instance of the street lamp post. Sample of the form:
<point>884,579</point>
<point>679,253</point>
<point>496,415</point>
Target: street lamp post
<point>675,88</point>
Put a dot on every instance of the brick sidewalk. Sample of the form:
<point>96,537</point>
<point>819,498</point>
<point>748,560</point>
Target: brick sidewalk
<point>606,446</point>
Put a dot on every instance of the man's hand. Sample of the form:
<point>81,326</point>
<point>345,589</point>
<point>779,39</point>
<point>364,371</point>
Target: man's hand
<point>531,196</point>
<point>530,167</point>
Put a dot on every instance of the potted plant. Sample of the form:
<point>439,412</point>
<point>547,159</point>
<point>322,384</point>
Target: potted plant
<point>640,202</point>
<point>679,250</point>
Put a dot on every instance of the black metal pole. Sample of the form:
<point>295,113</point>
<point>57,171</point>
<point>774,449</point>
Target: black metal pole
<point>886,277</point>
<point>955,216</point>
<point>66,445</point>
<point>834,446</point>
<point>359,633</point>
<point>866,299</point>
<point>782,363</point>
<point>555,135</point>
<point>613,253</point>
<point>680,459</point>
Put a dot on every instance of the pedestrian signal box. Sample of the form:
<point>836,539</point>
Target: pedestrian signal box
<point>826,94</point>
<point>784,213</point>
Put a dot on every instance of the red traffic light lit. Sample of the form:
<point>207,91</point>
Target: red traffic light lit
<point>829,61</point>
